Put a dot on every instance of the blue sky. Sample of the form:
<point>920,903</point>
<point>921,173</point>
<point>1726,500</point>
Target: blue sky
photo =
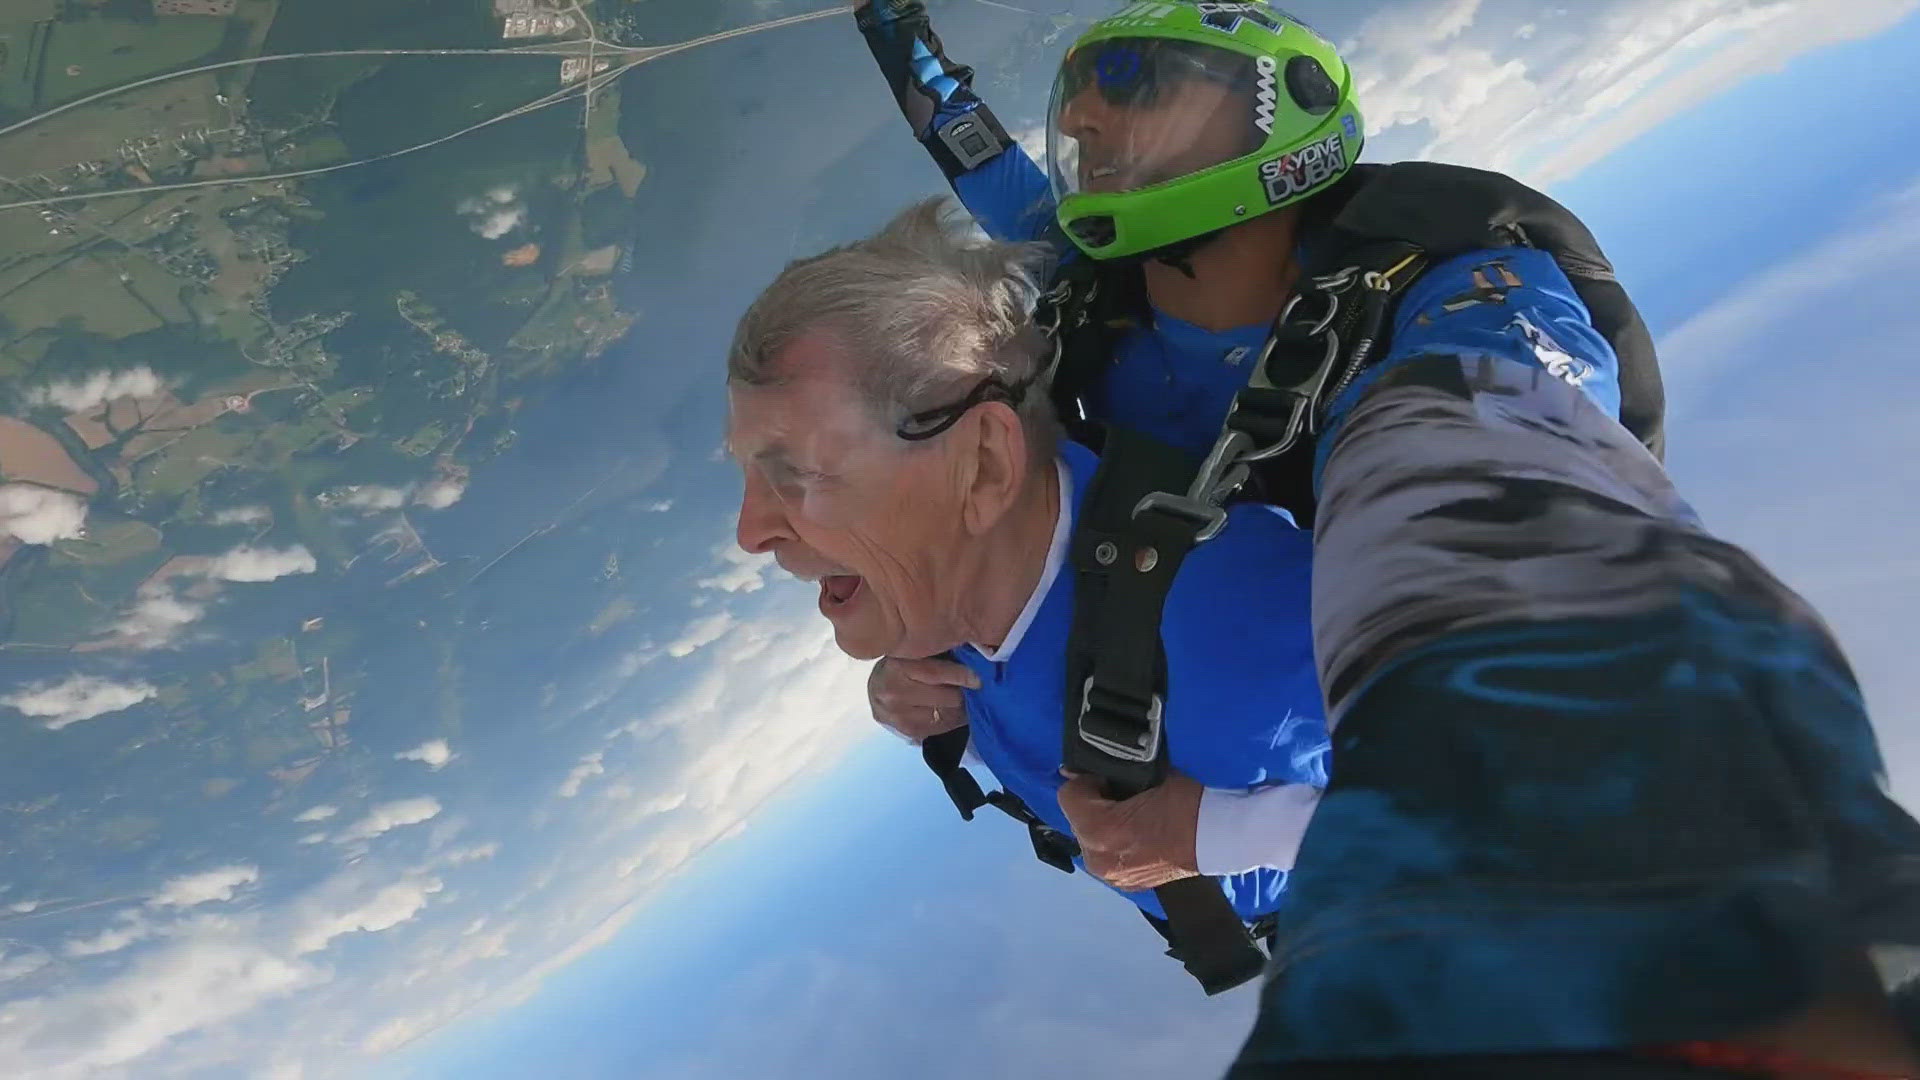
<point>677,849</point>
<point>1778,435</point>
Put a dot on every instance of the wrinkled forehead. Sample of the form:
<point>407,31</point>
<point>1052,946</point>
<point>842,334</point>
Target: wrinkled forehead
<point>805,406</point>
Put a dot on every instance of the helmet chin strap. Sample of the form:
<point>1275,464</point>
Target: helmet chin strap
<point>1179,254</point>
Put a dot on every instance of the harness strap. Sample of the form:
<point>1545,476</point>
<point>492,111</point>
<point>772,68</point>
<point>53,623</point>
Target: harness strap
<point>1125,559</point>
<point>1086,316</point>
<point>943,753</point>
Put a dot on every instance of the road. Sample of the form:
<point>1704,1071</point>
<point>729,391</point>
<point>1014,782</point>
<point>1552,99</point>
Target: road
<point>586,47</point>
<point>635,56</point>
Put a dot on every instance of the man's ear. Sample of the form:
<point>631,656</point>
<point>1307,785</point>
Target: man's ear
<point>999,466</point>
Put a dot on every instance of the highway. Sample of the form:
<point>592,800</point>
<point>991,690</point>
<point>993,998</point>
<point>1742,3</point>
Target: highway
<point>589,47</point>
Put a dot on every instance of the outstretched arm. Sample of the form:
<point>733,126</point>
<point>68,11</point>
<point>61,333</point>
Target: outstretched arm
<point>1575,732</point>
<point>996,180</point>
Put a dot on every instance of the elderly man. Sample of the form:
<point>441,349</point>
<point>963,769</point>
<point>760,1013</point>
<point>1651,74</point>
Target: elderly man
<point>888,407</point>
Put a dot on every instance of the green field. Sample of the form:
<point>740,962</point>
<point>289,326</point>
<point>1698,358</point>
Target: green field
<point>52,611</point>
<point>22,36</point>
<point>608,159</point>
<point>110,542</point>
<point>154,286</point>
<point>169,473</point>
<point>85,292</point>
<point>111,52</point>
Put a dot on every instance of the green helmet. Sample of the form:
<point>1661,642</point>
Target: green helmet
<point>1171,120</point>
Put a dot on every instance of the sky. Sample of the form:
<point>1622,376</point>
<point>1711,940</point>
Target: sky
<point>688,854</point>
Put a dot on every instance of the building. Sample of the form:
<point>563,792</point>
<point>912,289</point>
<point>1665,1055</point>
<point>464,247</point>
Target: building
<point>574,68</point>
<point>533,24</point>
<point>193,7</point>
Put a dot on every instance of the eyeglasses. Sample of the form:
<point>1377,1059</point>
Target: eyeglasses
<point>1130,73</point>
<point>922,426</point>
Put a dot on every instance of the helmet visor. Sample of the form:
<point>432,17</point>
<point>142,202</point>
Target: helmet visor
<point>1129,113</point>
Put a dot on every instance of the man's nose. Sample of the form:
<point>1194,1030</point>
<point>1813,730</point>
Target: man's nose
<point>763,517</point>
<point>1084,114</point>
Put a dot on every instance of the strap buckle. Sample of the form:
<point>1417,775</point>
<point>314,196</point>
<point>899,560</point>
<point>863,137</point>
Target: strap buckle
<point>1280,411</point>
<point>1220,476</point>
<point>1131,733</point>
<point>1051,846</point>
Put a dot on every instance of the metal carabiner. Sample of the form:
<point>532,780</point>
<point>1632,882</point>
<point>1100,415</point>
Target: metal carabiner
<point>1318,328</point>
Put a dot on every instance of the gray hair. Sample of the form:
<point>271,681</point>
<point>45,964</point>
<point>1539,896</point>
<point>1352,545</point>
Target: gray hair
<point>927,307</point>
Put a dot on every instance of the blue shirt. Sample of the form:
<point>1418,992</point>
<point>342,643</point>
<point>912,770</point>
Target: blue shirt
<point>1174,380</point>
<point>1243,706</point>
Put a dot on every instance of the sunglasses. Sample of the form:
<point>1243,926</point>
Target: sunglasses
<point>1132,73</point>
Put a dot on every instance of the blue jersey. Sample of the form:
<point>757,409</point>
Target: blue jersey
<point>1243,705</point>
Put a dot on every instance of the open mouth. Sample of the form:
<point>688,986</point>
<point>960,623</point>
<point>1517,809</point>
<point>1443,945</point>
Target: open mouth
<point>839,589</point>
<point>1104,178</point>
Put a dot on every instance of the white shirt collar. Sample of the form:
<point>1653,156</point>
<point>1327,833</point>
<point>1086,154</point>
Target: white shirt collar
<point>1056,554</point>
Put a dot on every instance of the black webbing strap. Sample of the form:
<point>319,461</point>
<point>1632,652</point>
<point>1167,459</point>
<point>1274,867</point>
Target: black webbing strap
<point>1084,306</point>
<point>1124,564</point>
<point>1259,929</point>
<point>943,753</point>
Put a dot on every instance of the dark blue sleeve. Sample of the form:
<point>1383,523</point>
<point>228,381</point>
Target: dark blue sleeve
<point>1511,304</point>
<point>1009,197</point>
<point>1006,193</point>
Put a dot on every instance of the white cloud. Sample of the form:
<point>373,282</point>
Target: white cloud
<point>242,515</point>
<point>15,965</point>
<point>755,736</point>
<point>283,1069</point>
<point>1033,139</point>
<point>374,497</point>
<point>246,563</point>
<point>739,572</point>
<point>385,909</point>
<point>1739,326</point>
<point>313,838</point>
<point>392,815</point>
<point>394,1034</point>
<point>204,888</point>
<point>440,494</point>
<point>473,853</point>
<point>195,982</point>
<point>495,214</point>
<point>434,754</point>
<point>160,612</point>
<point>37,515</point>
<point>435,494</point>
<point>181,1006</point>
<point>589,766</point>
<point>157,617</point>
<point>660,506</point>
<point>112,939</point>
<point>95,390</point>
<point>640,805</point>
<point>702,631</point>
<point>317,813</point>
<point>77,698</point>
<point>1439,79</point>
<point>397,1032</point>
